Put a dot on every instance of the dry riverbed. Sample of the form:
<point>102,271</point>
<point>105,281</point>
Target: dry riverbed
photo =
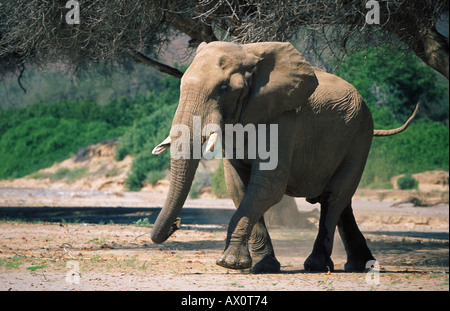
<point>115,252</point>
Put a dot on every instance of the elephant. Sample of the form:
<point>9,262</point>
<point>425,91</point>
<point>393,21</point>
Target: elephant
<point>324,133</point>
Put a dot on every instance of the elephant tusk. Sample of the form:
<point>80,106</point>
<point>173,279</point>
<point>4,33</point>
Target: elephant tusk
<point>211,142</point>
<point>162,146</point>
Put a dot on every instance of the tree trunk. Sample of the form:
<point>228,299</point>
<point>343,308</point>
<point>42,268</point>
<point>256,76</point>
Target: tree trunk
<point>433,49</point>
<point>424,41</point>
<point>194,28</point>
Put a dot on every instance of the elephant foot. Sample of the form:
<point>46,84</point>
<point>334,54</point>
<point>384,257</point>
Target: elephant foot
<point>357,265</point>
<point>268,264</point>
<point>235,257</point>
<point>318,263</point>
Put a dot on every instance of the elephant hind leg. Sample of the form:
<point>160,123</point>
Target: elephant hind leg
<point>358,253</point>
<point>336,208</point>
<point>320,258</point>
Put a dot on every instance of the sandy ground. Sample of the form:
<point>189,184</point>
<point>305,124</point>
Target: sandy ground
<point>88,240</point>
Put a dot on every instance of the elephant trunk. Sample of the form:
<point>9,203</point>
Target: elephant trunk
<point>183,169</point>
<point>181,177</point>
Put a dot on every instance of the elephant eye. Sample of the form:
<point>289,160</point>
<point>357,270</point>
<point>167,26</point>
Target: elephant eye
<point>223,88</point>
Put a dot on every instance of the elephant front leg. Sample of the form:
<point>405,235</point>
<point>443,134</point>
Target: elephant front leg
<point>260,245</point>
<point>255,250</point>
<point>236,254</point>
<point>247,225</point>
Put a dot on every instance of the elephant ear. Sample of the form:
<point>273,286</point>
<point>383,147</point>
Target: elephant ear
<point>281,81</point>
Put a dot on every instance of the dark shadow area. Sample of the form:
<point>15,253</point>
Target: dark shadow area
<point>169,245</point>
<point>413,234</point>
<point>336,271</point>
<point>117,215</point>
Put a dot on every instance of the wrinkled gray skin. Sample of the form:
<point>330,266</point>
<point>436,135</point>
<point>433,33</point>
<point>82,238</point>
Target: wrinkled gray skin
<point>324,134</point>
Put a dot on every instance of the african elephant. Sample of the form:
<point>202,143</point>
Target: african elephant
<point>324,132</point>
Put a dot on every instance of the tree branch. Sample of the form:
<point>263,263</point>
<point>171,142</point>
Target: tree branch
<point>194,28</point>
<point>20,77</point>
<point>432,48</point>
<point>141,58</point>
<point>424,41</point>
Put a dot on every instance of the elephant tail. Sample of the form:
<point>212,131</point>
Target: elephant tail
<point>399,129</point>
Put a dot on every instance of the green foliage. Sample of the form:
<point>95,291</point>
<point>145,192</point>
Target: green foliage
<point>69,175</point>
<point>219,187</point>
<point>147,132</point>
<point>143,222</point>
<point>60,174</point>
<point>139,142</point>
<point>35,266</point>
<point>39,142</point>
<point>154,176</point>
<point>407,182</point>
<point>120,112</point>
<point>36,136</point>
<point>392,83</point>
<point>202,179</point>
<point>142,165</point>
<point>101,85</point>
<point>423,146</point>
<point>380,185</point>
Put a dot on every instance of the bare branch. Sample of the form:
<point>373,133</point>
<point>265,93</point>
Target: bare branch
<point>337,26</point>
<point>35,31</point>
<point>141,58</point>
<point>20,77</point>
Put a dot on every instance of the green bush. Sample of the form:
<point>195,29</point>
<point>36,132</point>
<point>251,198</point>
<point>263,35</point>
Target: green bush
<point>407,182</point>
<point>36,136</point>
<point>117,112</point>
<point>202,179</point>
<point>60,174</point>
<point>143,222</point>
<point>423,146</point>
<point>219,187</point>
<point>146,133</point>
<point>68,175</point>
<point>153,176</point>
<point>139,142</point>
<point>391,83</point>
<point>39,142</point>
<point>140,168</point>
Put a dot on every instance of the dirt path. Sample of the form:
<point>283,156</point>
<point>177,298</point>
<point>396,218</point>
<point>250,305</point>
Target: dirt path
<point>410,244</point>
<point>122,257</point>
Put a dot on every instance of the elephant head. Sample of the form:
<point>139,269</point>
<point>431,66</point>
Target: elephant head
<point>228,83</point>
